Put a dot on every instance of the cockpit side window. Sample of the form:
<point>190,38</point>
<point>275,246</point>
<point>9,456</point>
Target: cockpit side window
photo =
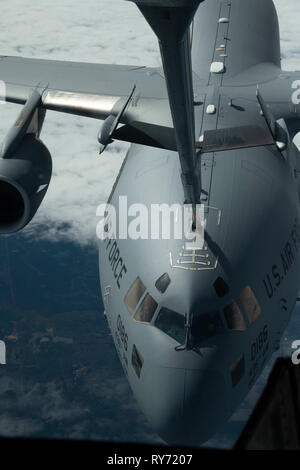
<point>137,361</point>
<point>221,287</point>
<point>171,323</point>
<point>250,304</point>
<point>134,295</point>
<point>146,310</point>
<point>206,325</point>
<point>234,317</point>
<point>237,370</point>
<point>163,282</point>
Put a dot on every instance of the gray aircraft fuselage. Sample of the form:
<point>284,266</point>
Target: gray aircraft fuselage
<point>252,238</point>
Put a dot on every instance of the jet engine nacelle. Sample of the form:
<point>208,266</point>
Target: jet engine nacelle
<point>24,180</point>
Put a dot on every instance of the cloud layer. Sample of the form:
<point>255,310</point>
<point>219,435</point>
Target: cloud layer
<point>101,31</point>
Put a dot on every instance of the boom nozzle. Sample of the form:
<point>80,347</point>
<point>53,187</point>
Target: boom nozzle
<point>170,20</point>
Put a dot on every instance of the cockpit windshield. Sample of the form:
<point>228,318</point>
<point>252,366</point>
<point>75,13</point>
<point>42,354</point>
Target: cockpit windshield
<point>205,326</point>
<point>171,323</point>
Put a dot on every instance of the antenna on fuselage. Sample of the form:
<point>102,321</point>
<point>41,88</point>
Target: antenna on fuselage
<point>170,20</point>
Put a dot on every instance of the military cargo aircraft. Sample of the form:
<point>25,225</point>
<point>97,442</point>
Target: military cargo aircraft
<point>212,128</point>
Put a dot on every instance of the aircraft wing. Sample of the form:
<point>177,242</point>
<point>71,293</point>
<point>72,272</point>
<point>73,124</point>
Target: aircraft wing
<point>96,91</point>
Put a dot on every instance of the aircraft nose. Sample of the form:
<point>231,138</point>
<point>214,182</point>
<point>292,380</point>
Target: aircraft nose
<point>205,405</point>
<point>188,406</point>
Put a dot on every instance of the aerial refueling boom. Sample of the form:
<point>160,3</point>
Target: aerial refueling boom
<point>170,20</point>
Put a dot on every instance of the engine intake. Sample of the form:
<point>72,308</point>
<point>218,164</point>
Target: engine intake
<point>24,180</point>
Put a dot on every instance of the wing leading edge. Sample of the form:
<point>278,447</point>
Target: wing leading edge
<point>97,91</point>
